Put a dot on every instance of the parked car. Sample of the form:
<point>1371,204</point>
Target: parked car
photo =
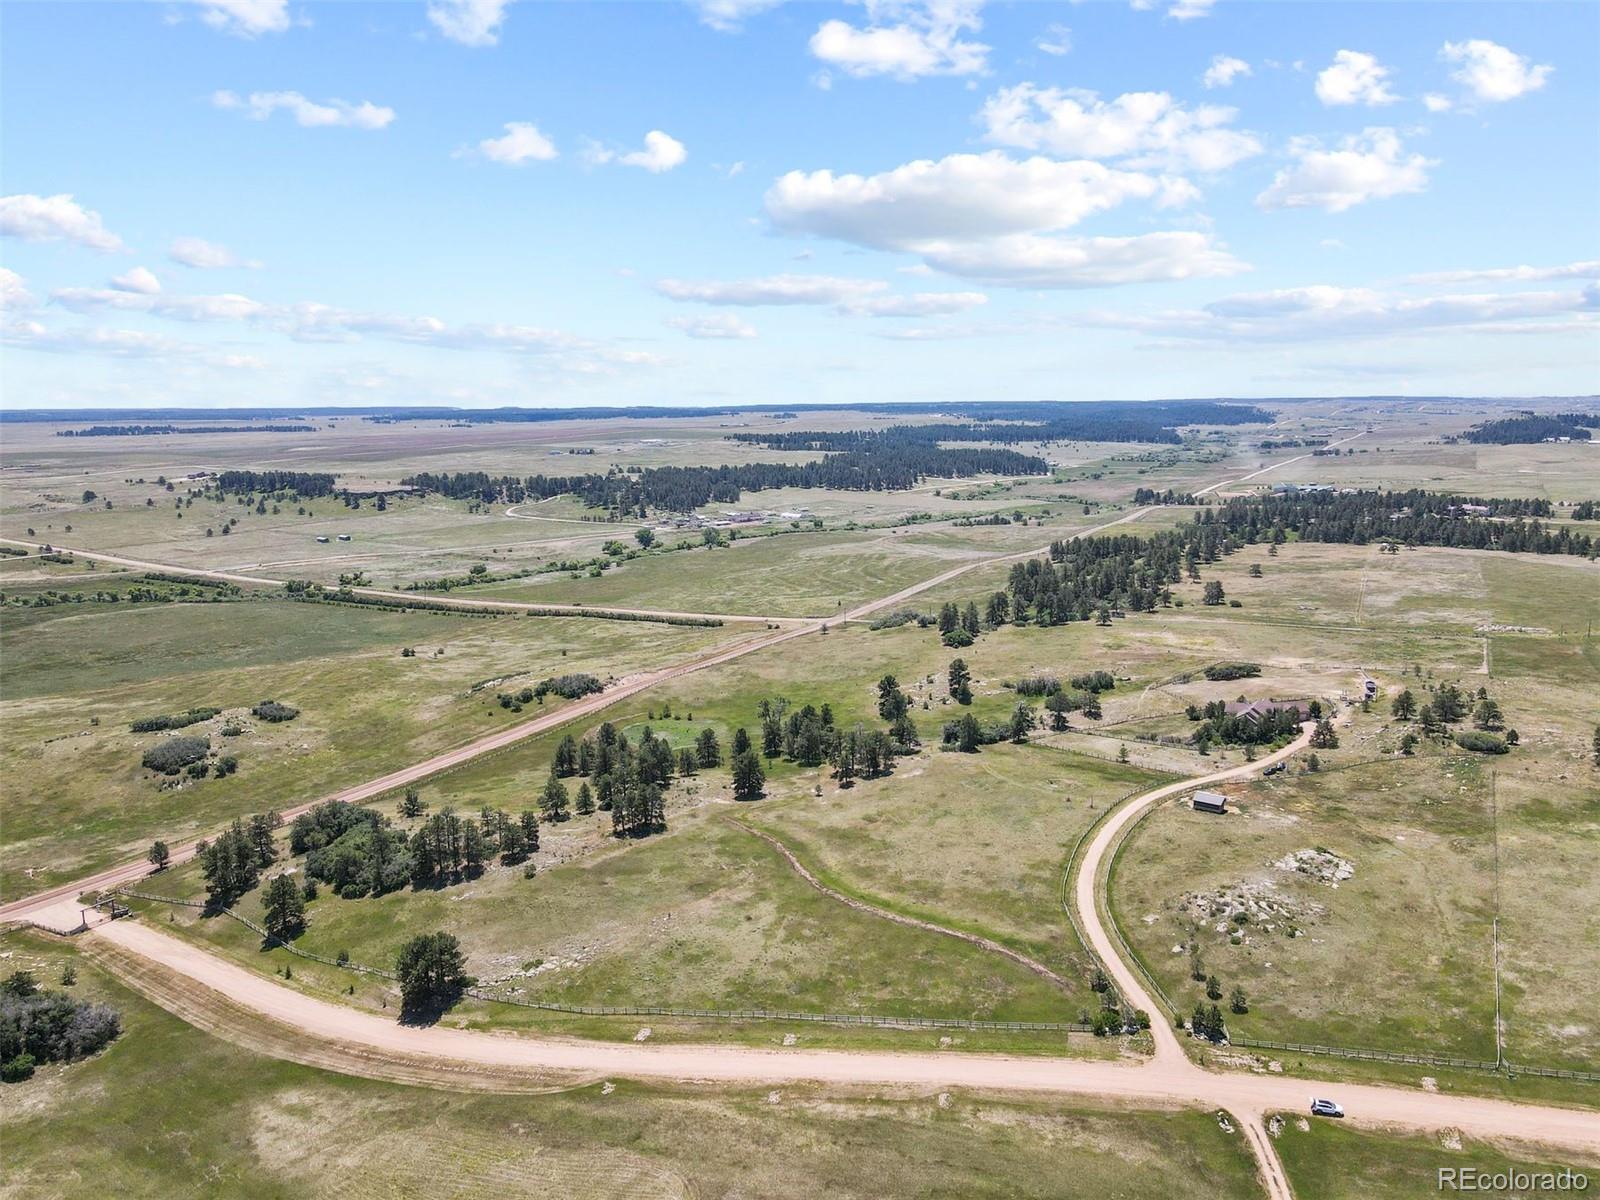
<point>1325,1108</point>
<point>1277,768</point>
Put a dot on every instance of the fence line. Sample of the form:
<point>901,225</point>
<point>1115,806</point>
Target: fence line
<point>648,1010</point>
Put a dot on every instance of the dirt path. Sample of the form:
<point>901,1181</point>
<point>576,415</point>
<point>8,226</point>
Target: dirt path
<point>512,1057</point>
<point>1034,965</point>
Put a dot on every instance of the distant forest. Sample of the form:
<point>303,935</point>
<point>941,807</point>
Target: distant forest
<point>886,467</point>
<point>152,430</point>
<point>1528,428</point>
<point>1010,424</point>
<point>307,484</point>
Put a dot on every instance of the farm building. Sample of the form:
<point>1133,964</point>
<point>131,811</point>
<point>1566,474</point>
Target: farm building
<point>1212,802</point>
<point>1254,710</point>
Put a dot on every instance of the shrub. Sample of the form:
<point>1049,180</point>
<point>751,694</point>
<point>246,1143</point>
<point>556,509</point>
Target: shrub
<point>173,720</point>
<point>1094,681</point>
<point>569,687</point>
<point>1038,685</point>
<point>42,1026</point>
<point>271,710</point>
<point>1483,743</point>
<point>171,755</point>
<point>1232,670</point>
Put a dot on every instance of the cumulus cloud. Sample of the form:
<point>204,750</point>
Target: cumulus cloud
<point>224,307</point>
<point>984,216</point>
<point>1523,274</point>
<point>661,153</point>
<point>1224,69</point>
<point>57,218</point>
<point>1056,40</point>
<point>261,105</point>
<point>1190,10</point>
<point>1328,312</point>
<point>141,280</point>
<point>1030,260</point>
<point>1355,78</point>
<point>1146,129</point>
<point>470,22</point>
<point>905,40</point>
<point>245,18</point>
<point>522,143</point>
<point>728,16</point>
<point>1435,102</point>
<point>1491,72</point>
<point>718,326</point>
<point>14,294</point>
<point>203,255</point>
<point>1371,165</point>
<point>962,196</point>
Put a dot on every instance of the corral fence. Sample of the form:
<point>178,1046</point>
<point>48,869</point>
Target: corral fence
<point>648,1010</point>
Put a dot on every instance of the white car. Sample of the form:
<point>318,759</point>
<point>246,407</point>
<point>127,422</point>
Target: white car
<point>1325,1108</point>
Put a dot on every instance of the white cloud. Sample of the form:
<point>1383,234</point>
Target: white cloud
<point>717,326</point>
<point>1355,78</point>
<point>981,216</point>
<point>203,255</point>
<point>917,304</point>
<point>1189,10</point>
<point>309,321</point>
<point>1029,260</point>
<point>728,16</point>
<point>521,144</point>
<point>661,153</point>
<point>224,307</point>
<point>115,343</point>
<point>1523,274</point>
<point>141,280</point>
<point>962,196</point>
<point>1326,312</point>
<point>905,40</point>
<point>470,22</point>
<point>1434,102</point>
<point>1224,69</point>
<point>57,218</point>
<point>14,294</point>
<point>1491,72</point>
<point>1056,40</point>
<point>261,105</point>
<point>1147,129</point>
<point>245,18</point>
<point>1371,165</point>
<point>771,290</point>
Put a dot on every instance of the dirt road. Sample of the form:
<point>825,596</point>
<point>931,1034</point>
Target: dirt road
<point>1158,1082</point>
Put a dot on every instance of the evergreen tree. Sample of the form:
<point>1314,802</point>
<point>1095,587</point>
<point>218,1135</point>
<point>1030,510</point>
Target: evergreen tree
<point>707,750</point>
<point>1404,705</point>
<point>748,777</point>
<point>585,802</point>
<point>566,758</point>
<point>283,909</point>
<point>553,800</point>
<point>432,974</point>
<point>741,736</point>
<point>960,681</point>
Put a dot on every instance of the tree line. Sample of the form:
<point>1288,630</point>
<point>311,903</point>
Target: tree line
<point>1527,428</point>
<point>679,489</point>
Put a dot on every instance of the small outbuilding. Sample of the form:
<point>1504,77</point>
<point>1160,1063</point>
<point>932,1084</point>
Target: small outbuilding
<point>1211,802</point>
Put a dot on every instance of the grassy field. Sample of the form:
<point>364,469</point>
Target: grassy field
<point>1326,959</point>
<point>76,675</point>
<point>169,1111</point>
<point>1328,1161</point>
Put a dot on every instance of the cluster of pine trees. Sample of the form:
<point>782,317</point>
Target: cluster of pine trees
<point>1527,428</point>
<point>305,484</point>
<point>681,489</point>
<point>232,864</point>
<point>629,779</point>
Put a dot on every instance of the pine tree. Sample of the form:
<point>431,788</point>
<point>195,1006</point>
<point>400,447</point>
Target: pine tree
<point>707,750</point>
<point>960,681</point>
<point>741,737</point>
<point>748,777</point>
<point>585,804</point>
<point>553,801</point>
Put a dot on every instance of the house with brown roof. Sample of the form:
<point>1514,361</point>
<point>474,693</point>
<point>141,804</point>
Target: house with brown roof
<point>1255,710</point>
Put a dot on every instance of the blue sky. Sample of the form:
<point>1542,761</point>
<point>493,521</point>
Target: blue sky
<point>485,203</point>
